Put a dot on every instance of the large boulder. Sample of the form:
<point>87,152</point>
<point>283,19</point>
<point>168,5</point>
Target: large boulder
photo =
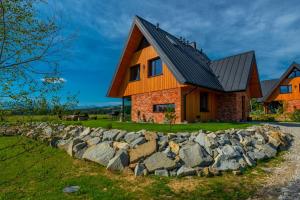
<point>174,147</point>
<point>194,155</point>
<point>79,149</point>
<point>119,162</point>
<point>150,136</point>
<point>161,172</point>
<point>142,151</point>
<point>120,145</point>
<point>100,153</point>
<point>120,136</point>
<point>159,160</point>
<point>85,132</point>
<point>72,144</point>
<point>201,138</point>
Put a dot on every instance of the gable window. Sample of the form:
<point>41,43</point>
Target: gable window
<point>204,102</point>
<point>294,73</point>
<point>164,107</point>
<point>284,89</point>
<point>143,44</point>
<point>134,73</point>
<point>154,67</point>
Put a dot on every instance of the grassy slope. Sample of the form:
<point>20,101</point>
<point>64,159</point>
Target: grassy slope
<point>31,170</point>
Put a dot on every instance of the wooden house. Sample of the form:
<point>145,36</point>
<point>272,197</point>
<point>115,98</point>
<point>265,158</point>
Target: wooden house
<point>158,71</point>
<point>282,93</point>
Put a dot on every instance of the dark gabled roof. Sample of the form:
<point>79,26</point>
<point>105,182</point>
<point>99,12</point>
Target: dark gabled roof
<point>188,64</point>
<point>270,90</point>
<point>266,87</point>
<point>233,72</point>
<point>191,66</point>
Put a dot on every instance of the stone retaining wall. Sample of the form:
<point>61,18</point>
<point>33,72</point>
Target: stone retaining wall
<point>144,152</point>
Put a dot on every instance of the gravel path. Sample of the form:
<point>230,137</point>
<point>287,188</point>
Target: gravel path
<point>284,183</point>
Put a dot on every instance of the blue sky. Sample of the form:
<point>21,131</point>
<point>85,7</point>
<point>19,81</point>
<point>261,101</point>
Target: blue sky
<point>221,28</point>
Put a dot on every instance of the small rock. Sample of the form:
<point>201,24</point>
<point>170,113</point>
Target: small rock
<point>85,132</point>
<point>93,141</point>
<point>130,137</point>
<point>186,171</point>
<point>174,147</point>
<point>110,135</point>
<point>138,141</point>
<point>139,169</point>
<point>120,145</point>
<point>236,172</point>
<point>71,189</point>
<point>161,172</point>
<point>151,136</point>
<point>120,136</point>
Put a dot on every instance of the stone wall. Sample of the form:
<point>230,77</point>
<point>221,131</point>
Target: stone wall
<point>142,105</point>
<point>201,153</point>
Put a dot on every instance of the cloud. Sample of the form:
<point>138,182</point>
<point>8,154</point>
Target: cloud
<point>54,80</point>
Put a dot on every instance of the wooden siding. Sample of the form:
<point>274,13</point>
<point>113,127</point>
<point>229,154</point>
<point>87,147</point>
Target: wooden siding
<point>294,95</point>
<point>146,84</point>
<point>193,105</point>
<point>254,83</point>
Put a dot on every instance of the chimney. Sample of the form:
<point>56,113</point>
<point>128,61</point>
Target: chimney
<point>194,45</point>
<point>157,25</point>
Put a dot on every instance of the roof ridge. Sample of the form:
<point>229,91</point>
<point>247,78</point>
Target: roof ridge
<point>250,51</point>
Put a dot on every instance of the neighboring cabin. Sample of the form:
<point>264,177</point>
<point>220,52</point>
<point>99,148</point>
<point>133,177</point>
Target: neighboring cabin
<point>283,92</point>
<point>158,71</point>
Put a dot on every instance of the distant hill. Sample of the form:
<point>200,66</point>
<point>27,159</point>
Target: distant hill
<point>98,110</point>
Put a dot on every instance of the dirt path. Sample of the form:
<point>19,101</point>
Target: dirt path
<point>284,181</point>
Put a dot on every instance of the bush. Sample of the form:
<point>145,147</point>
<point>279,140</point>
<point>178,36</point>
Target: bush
<point>296,116</point>
<point>108,126</point>
<point>263,117</point>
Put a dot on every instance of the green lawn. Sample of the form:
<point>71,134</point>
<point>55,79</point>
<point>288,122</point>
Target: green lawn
<point>31,170</point>
<point>105,122</point>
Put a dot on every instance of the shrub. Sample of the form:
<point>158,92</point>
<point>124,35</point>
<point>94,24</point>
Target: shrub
<point>296,116</point>
<point>108,126</point>
<point>170,117</point>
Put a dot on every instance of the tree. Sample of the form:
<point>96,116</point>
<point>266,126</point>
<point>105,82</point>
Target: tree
<point>170,117</point>
<point>31,48</point>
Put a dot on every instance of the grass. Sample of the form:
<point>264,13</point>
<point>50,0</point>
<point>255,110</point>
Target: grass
<point>105,122</point>
<point>32,170</point>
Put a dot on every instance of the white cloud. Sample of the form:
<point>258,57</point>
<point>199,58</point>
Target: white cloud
<point>54,80</point>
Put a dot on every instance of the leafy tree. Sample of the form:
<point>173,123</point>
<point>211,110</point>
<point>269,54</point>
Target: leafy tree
<point>170,117</point>
<point>31,47</point>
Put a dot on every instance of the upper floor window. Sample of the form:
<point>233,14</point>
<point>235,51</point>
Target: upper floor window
<point>294,73</point>
<point>154,67</point>
<point>134,73</point>
<point>284,89</point>
<point>164,107</point>
<point>204,102</point>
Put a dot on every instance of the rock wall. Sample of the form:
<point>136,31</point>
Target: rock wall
<point>144,152</point>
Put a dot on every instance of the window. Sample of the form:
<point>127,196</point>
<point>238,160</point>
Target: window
<point>284,89</point>
<point>164,107</point>
<point>155,67</point>
<point>204,102</point>
<point>294,73</point>
<point>134,73</point>
<point>143,44</point>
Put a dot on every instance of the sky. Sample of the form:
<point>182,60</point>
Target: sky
<point>221,28</point>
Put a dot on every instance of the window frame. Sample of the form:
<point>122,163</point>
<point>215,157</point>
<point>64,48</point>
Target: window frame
<point>290,89</point>
<point>150,67</point>
<point>138,66</point>
<point>201,109</point>
<point>164,104</point>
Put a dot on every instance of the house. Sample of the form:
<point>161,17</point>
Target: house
<point>158,72</point>
<point>282,93</point>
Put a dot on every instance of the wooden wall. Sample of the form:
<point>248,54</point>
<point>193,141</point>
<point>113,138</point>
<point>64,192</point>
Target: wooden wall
<point>193,105</point>
<point>146,84</point>
<point>295,95</point>
<point>254,83</point>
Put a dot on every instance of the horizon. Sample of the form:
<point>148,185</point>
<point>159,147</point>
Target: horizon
<point>230,29</point>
